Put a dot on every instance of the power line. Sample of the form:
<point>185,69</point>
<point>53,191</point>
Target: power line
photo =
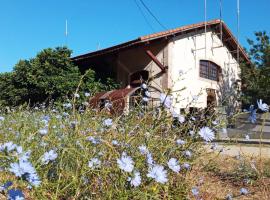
<point>150,12</point>
<point>144,16</point>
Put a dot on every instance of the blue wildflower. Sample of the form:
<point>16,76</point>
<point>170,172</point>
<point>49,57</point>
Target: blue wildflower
<point>49,156</point>
<point>243,191</point>
<point>143,150</point>
<point>5,186</point>
<point>15,195</point>
<point>195,191</point>
<point>262,106</point>
<point>107,122</point>
<point>158,173</point>
<point>165,100</point>
<point>87,94</point>
<point>94,163</point>
<point>207,134</point>
<point>125,163</point>
<point>136,180</point>
<point>180,142</point>
<point>24,169</point>
<point>174,165</point>
<point>252,114</point>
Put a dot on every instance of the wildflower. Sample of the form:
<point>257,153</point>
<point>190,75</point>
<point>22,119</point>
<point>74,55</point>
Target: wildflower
<point>136,180</point>
<point>186,166</point>
<point>87,94</point>
<point>2,118</point>
<point>165,100</point>
<point>187,153</point>
<point>229,197</point>
<point>214,146</point>
<point>115,142</point>
<point>150,160</point>
<point>195,97</point>
<point>144,86</point>
<point>67,105</point>
<point>94,163</point>
<point>195,191</point>
<point>181,118</point>
<point>8,146</point>
<point>158,173</point>
<point>262,106</point>
<point>5,186</point>
<point>14,194</point>
<point>143,150</point>
<point>180,142</point>
<point>43,131</point>
<point>93,140</point>
<point>247,137</point>
<point>76,95</point>
<point>252,114</point>
<point>147,93</point>
<point>174,165</point>
<point>125,163</point>
<point>49,156</point>
<point>243,191</point>
<point>107,122</point>
<point>207,134</point>
<point>145,99</point>
<point>108,105</point>
<point>191,133</point>
<point>25,170</point>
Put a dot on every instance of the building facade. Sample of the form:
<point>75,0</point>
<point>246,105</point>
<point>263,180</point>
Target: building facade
<point>197,63</point>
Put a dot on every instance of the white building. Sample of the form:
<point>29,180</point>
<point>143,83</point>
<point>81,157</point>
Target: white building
<point>203,58</point>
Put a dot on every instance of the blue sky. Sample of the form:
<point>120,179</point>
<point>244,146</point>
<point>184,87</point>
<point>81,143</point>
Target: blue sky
<point>28,26</point>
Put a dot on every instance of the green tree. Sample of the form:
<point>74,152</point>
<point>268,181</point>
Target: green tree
<point>50,76</point>
<point>256,76</point>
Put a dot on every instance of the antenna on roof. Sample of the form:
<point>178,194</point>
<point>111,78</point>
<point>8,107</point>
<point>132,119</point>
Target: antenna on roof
<point>66,33</point>
<point>220,18</point>
<point>238,27</point>
<point>205,18</point>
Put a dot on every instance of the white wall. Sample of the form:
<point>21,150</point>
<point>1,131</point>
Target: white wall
<point>183,58</point>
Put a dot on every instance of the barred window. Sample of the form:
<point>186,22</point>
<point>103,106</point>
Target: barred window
<point>209,70</point>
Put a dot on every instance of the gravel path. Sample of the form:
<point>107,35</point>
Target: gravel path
<point>247,150</point>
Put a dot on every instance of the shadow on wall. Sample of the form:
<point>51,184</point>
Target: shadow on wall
<point>229,94</point>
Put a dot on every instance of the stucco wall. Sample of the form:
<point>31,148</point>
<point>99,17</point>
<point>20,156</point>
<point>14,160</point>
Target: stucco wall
<point>184,67</point>
<point>136,59</point>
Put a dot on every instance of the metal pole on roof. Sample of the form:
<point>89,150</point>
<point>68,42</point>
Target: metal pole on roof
<point>238,27</point>
<point>220,18</point>
<point>205,18</point>
<point>66,32</point>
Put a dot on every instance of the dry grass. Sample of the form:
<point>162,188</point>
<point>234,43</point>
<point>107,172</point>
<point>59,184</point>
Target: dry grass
<point>219,175</point>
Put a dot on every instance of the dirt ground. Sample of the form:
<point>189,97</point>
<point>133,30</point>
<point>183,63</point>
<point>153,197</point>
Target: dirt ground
<point>219,173</point>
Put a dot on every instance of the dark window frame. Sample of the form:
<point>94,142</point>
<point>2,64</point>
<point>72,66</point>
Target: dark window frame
<point>209,70</point>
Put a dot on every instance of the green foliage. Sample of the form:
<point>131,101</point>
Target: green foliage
<point>256,76</point>
<point>79,137</point>
<point>50,76</point>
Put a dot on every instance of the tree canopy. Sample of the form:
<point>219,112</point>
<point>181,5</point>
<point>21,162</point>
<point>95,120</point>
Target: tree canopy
<point>256,76</point>
<point>50,76</point>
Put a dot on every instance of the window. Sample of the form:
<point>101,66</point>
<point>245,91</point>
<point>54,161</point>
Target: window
<point>139,77</point>
<point>209,70</point>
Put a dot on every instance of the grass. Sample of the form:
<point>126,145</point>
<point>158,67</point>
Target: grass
<point>78,137</point>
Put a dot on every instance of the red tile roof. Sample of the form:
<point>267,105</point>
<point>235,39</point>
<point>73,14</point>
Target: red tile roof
<point>173,32</point>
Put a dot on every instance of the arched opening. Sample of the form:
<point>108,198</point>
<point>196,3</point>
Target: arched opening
<point>210,70</point>
<point>211,100</point>
<point>139,77</point>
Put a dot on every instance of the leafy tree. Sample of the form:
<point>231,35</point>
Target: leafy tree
<point>256,76</point>
<point>50,76</point>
